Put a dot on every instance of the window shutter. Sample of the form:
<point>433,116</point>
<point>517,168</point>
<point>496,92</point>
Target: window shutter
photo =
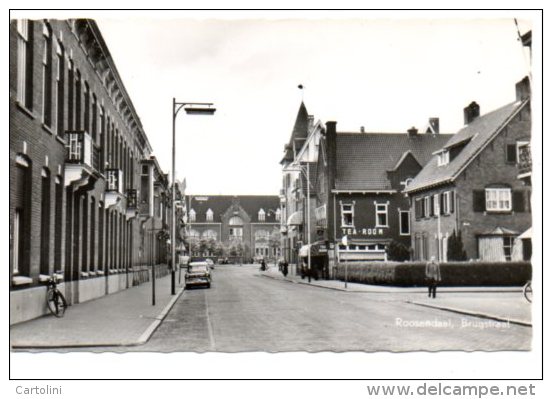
<point>431,206</point>
<point>452,198</point>
<point>518,201</point>
<point>511,153</point>
<point>479,200</point>
<point>417,208</point>
<point>441,201</point>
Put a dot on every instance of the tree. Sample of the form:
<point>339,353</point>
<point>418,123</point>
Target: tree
<point>455,247</point>
<point>274,240</point>
<point>398,252</point>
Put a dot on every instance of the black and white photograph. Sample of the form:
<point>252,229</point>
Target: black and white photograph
<point>297,185</point>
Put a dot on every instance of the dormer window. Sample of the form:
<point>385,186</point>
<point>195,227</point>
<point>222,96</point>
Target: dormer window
<point>192,215</point>
<point>209,215</point>
<point>443,158</point>
<point>261,215</point>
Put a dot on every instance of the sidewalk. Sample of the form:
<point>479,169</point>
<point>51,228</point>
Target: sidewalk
<point>121,319</point>
<point>504,304</point>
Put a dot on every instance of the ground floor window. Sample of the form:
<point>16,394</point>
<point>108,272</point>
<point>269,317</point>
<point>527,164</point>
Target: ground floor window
<point>404,222</point>
<point>17,245</point>
<point>508,245</point>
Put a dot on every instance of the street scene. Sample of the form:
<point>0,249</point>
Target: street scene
<point>299,203</point>
<point>249,310</point>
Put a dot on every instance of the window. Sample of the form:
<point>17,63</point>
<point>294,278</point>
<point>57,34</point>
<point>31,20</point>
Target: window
<point>86,107</point>
<point>58,221</point>
<point>194,234</point>
<point>418,208</point>
<point>427,207</point>
<point>45,224</point>
<point>498,199</point>
<point>446,203</point>
<point>511,156</point>
<point>381,215</point>
<point>436,208</point>
<point>192,215</point>
<point>47,77</point>
<point>78,101</point>
<point>17,245</point>
<point>209,215</point>
<point>278,214</point>
<point>508,246</point>
<point>347,215</point>
<point>94,122</point>
<point>209,235</point>
<point>261,215</point>
<point>236,233</point>
<point>59,97</point>
<point>70,95</point>
<point>404,222</point>
<point>443,158</point>
<point>24,62</point>
<point>235,221</point>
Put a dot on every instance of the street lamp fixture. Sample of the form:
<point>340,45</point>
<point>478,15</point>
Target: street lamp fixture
<point>191,108</point>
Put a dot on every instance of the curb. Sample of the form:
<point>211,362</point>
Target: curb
<point>404,291</point>
<point>474,314</point>
<point>141,340</point>
<point>158,320</point>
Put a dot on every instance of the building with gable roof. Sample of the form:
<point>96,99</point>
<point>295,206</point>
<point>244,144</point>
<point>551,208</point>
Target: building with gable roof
<point>88,201</point>
<point>250,220</point>
<point>477,185</point>
<point>359,189</point>
<point>300,158</point>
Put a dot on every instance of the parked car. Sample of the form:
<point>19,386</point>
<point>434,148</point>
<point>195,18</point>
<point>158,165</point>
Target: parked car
<point>198,273</point>
<point>211,263</point>
<point>258,259</point>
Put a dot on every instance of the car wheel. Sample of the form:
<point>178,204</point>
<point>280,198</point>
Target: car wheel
<point>208,285</point>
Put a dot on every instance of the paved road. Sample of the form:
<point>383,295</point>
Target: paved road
<point>244,311</point>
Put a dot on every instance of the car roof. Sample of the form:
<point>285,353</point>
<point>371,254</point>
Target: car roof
<point>199,263</point>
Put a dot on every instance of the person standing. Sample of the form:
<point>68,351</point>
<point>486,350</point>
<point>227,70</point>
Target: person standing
<point>433,276</point>
<point>285,268</point>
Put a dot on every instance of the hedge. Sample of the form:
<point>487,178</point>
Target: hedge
<point>452,273</point>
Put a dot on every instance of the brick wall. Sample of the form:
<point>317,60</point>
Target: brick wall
<point>489,167</point>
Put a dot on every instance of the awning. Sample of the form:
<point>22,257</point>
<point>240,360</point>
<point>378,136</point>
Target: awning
<point>317,249</point>
<point>296,219</point>
<point>527,233</point>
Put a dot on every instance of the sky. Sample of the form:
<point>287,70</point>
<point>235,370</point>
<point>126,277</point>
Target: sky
<point>386,74</point>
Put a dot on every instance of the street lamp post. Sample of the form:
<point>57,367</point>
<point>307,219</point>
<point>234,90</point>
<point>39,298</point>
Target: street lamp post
<point>191,108</point>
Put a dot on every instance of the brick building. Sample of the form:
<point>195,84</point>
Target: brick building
<point>87,199</point>
<point>216,223</point>
<point>473,185</point>
<point>300,156</point>
<point>359,188</point>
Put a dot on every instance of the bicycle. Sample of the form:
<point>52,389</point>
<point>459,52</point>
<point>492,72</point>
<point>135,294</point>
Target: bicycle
<point>54,298</point>
<point>528,291</point>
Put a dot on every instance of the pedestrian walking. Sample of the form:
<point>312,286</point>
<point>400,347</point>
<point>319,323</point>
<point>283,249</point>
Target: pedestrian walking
<point>433,276</point>
<point>285,268</point>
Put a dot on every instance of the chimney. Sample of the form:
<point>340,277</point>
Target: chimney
<point>471,112</point>
<point>331,174</point>
<point>412,131</point>
<point>362,129</point>
<point>523,89</point>
<point>434,123</point>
